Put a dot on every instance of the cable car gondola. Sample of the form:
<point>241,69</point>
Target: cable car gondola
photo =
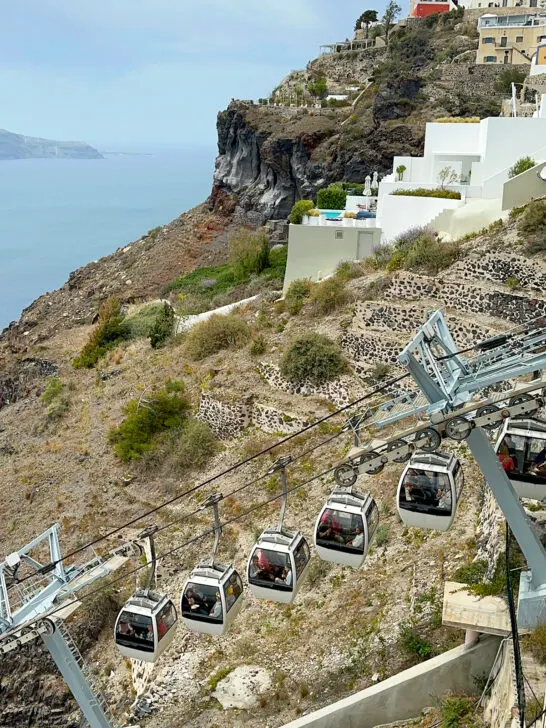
<point>212,596</point>
<point>345,527</point>
<point>146,624</point>
<point>279,560</point>
<point>429,490</point>
<point>521,449</point>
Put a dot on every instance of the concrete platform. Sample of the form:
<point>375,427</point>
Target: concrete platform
<point>488,615</point>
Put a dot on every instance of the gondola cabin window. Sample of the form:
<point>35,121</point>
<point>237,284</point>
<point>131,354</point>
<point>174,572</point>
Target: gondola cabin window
<point>166,619</point>
<point>233,589</point>
<point>269,567</point>
<point>520,455</point>
<point>426,491</point>
<point>342,530</point>
<point>202,602</point>
<point>301,557</point>
<point>136,631</point>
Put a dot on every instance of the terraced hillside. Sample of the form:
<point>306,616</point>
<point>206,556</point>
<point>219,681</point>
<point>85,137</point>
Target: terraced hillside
<point>347,628</point>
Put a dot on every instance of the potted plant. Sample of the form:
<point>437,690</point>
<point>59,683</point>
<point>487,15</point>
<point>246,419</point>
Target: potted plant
<point>314,217</point>
<point>400,171</point>
<point>350,218</point>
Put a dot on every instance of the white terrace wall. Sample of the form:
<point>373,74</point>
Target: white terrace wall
<point>406,694</point>
<point>398,213</point>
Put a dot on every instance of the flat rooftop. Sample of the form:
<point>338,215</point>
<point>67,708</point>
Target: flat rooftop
<point>465,610</point>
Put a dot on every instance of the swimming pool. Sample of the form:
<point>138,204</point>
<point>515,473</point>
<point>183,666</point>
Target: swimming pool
<point>329,214</point>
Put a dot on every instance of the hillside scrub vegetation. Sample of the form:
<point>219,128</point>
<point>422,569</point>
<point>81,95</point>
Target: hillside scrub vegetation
<point>215,334</point>
<point>329,295</point>
<point>298,291</point>
<point>249,251</point>
<point>147,417</point>
<point>186,447</point>
<point>312,357</point>
<point>110,331</point>
<point>418,249</point>
<point>213,286</point>
<point>154,321</point>
<point>55,397</point>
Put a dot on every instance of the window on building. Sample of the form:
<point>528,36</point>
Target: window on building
<point>533,3</point>
<point>339,235</point>
<point>519,39</point>
<point>490,59</point>
<point>488,40</point>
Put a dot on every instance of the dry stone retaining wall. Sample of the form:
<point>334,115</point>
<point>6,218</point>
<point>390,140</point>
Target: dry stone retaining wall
<point>490,533</point>
<point>467,298</point>
<point>372,348</point>
<point>500,267</point>
<point>336,391</point>
<point>409,318</point>
<point>228,419</point>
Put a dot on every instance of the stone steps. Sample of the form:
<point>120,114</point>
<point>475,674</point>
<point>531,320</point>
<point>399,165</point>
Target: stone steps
<point>467,297</point>
<point>407,317</point>
<point>500,267</point>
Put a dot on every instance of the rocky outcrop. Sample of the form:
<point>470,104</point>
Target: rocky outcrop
<point>264,157</point>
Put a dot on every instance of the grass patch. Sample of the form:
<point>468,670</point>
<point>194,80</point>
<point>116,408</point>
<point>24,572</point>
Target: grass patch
<point>55,397</point>
<point>218,676</point>
<point>348,269</point>
<point>382,535</point>
<point>418,249</point>
<point>203,288</point>
<point>215,334</point>
<point>533,218</point>
<point>312,357</point>
<point>458,712</point>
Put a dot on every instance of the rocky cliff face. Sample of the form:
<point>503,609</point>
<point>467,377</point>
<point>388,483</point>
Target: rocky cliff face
<point>265,157</point>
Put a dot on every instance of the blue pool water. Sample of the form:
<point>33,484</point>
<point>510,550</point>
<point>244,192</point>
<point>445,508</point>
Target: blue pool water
<point>330,214</point>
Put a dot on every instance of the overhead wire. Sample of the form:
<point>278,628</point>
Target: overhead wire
<point>377,390</point>
<point>189,542</point>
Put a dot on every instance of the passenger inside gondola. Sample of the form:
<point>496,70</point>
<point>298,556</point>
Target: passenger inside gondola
<point>523,457</point>
<point>268,566</point>
<point>340,530</point>
<point>202,603</point>
<point>425,490</point>
<point>134,630</point>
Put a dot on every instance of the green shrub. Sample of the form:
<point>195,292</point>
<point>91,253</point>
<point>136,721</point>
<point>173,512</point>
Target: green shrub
<point>533,219</point>
<point>162,327</point>
<point>352,188</point>
<point>141,322</point>
<point>458,712</point>
<point>422,192</point>
<point>473,573</point>
<point>537,643</point>
<point>195,445</point>
<point>258,346</point>
<point>538,245</point>
<point>214,334</point>
<point>512,283</point>
<point>380,371</point>
<point>329,295</point>
<point>349,269</point>
<point>297,292</point>
<point>110,331</point>
<point>522,165</point>
<point>147,418</point>
<point>312,357</point>
<point>332,197</point>
<point>56,398</point>
<point>412,642</point>
<point>249,251</point>
<point>431,256</point>
<point>382,535</point>
<point>299,209</point>
<point>53,389</point>
<point>507,77</point>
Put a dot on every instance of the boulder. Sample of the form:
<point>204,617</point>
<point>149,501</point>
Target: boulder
<point>241,688</point>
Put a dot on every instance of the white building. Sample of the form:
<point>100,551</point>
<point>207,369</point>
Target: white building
<point>478,157</point>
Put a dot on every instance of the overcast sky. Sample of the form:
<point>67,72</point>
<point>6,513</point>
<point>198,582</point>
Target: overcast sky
<point>152,71</point>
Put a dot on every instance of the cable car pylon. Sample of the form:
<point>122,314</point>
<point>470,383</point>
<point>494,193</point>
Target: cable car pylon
<point>34,609</point>
<point>447,382</point>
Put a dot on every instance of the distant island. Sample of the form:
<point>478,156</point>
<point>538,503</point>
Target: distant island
<point>17,146</point>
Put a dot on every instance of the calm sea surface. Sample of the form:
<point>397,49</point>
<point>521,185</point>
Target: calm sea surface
<point>57,215</point>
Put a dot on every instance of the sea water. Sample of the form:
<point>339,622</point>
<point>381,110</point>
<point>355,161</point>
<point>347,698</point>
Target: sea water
<point>59,214</point>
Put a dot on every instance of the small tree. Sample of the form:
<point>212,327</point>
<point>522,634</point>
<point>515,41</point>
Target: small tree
<point>400,171</point>
<point>447,176</point>
<point>367,17</point>
<point>392,11</point>
<point>313,357</point>
<point>332,197</point>
<point>318,88</point>
<point>522,165</point>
